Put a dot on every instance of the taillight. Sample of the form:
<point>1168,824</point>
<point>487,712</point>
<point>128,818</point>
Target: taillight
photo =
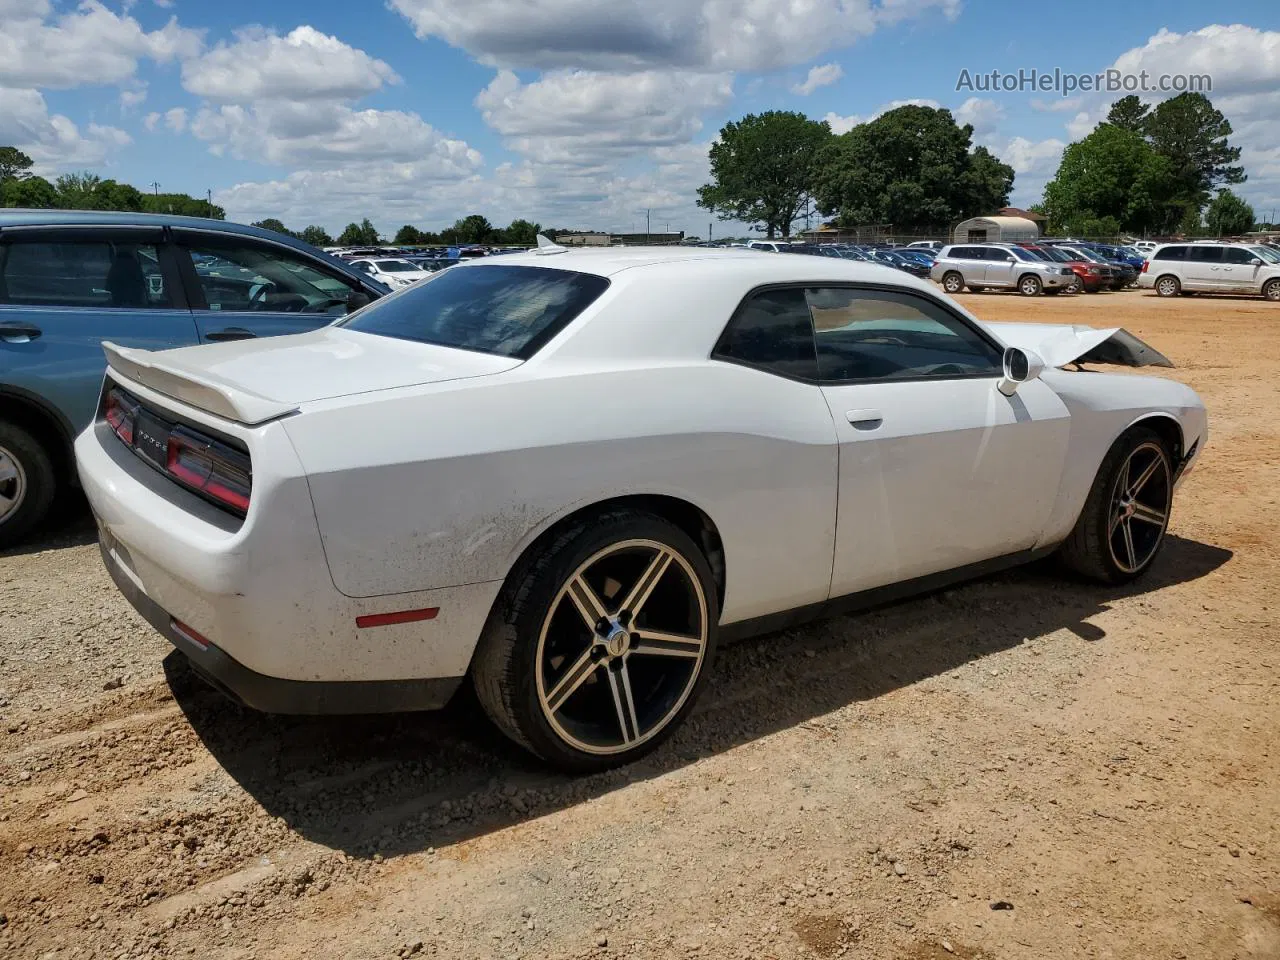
<point>212,468</point>
<point>1145,264</point>
<point>121,415</point>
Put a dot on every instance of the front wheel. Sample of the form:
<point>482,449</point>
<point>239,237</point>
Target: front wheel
<point>1029,286</point>
<point>953,283</point>
<point>1076,285</point>
<point>598,647</point>
<point>27,483</point>
<point>1124,520</point>
<point>1271,291</point>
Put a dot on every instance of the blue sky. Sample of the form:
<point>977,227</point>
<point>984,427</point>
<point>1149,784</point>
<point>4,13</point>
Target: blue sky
<point>569,112</point>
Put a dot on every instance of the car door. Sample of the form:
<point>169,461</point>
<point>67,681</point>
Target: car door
<point>1000,266</point>
<point>938,469</point>
<point>1240,270</point>
<point>243,287</point>
<point>64,290</point>
<point>1203,269</point>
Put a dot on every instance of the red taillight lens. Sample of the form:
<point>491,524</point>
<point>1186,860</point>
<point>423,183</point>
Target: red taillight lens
<point>120,416</point>
<point>1145,264</point>
<point>214,469</point>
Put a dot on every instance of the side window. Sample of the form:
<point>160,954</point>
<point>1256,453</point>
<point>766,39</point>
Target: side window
<point>1236,255</point>
<point>772,331</point>
<point>1205,254</point>
<point>247,277</point>
<point>994,254</point>
<point>82,273</point>
<point>884,335</point>
<point>1171,253</point>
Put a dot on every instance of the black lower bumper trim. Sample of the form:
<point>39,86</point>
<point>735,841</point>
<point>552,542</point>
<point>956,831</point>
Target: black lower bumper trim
<point>277,695</point>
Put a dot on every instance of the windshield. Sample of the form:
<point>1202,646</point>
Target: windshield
<point>395,266</point>
<point>1266,254</point>
<point>1057,256</point>
<point>509,311</point>
<point>1081,254</point>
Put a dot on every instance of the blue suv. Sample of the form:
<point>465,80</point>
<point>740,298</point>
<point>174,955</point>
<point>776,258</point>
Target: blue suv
<point>70,279</point>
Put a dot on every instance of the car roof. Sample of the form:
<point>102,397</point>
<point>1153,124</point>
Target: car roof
<point>733,265</point>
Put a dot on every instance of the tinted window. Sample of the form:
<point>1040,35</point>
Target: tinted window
<point>89,273</point>
<point>963,253</point>
<point>995,254</point>
<point>1170,253</point>
<point>883,335</point>
<point>1204,254</point>
<point>1023,255</point>
<point>772,331</point>
<point>246,277</point>
<point>510,311</point>
<point>1236,255</point>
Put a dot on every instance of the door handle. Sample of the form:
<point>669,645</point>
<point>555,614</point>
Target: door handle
<point>231,333</point>
<point>17,332</point>
<point>865,419</point>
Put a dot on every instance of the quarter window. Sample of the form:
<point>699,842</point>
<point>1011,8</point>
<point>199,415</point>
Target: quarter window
<point>82,273</point>
<point>1170,253</point>
<point>248,278</point>
<point>1204,254</point>
<point>885,335</point>
<point>772,331</point>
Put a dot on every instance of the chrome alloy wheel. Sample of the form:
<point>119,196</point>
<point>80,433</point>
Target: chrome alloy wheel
<point>621,647</point>
<point>1140,504</point>
<point>13,484</point>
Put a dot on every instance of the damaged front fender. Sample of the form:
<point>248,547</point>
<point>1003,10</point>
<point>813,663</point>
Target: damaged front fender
<point>1061,344</point>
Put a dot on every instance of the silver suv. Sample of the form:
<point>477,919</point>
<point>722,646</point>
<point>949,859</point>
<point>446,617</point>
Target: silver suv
<point>1000,265</point>
<point>1175,268</point>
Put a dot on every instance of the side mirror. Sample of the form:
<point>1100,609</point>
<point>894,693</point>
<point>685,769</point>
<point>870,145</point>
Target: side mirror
<point>356,300</point>
<point>1255,262</point>
<point>1010,258</point>
<point>1019,367</point>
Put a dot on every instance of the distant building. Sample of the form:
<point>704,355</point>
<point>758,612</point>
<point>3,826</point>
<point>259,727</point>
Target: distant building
<point>587,238</point>
<point>1037,218</point>
<point>995,230</point>
<point>583,239</point>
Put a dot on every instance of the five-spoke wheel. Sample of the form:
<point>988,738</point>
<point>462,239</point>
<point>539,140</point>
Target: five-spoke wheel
<point>600,643</point>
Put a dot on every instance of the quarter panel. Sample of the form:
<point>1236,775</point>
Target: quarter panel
<point>443,486</point>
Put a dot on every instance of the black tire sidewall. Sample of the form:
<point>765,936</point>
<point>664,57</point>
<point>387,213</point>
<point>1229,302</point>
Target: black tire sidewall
<point>947,283</point>
<point>1101,505</point>
<point>541,591</point>
<point>41,483</point>
<point>1033,282</point>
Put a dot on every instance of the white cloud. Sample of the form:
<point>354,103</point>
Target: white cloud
<point>579,118</point>
<point>841,124</point>
<point>133,97</point>
<point>92,45</point>
<point>821,76</point>
<point>53,141</point>
<point>304,65</point>
<point>641,34</point>
<point>983,115</point>
<point>151,121</point>
<point>176,119</point>
<point>1082,124</point>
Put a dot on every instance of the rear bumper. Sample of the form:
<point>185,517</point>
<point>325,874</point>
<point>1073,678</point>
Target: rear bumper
<point>273,694</point>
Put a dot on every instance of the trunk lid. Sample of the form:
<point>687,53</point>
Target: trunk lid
<point>253,381</point>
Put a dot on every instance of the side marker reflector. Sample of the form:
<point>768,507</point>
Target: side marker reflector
<point>403,616</point>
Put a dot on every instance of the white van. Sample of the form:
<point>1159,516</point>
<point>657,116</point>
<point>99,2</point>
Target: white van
<point>1175,268</point>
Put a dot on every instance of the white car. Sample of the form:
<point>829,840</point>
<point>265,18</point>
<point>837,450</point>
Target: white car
<point>933,246</point>
<point>392,271</point>
<point>567,476</point>
<point>1211,267</point>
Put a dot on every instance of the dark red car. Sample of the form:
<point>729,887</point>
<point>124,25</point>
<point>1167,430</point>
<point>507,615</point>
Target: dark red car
<point>1090,277</point>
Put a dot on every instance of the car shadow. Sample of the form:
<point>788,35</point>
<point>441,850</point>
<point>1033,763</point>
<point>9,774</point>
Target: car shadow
<point>391,785</point>
<point>69,524</point>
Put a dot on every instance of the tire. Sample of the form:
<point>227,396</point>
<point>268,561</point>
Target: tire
<point>1099,547</point>
<point>537,644</point>
<point>1076,285</point>
<point>1030,286</point>
<point>952,283</point>
<point>27,483</point>
<point>1271,290</point>
<point>1168,286</point>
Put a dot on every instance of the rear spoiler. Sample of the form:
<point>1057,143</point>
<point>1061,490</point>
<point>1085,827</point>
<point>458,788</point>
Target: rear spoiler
<point>198,389</point>
<point>1059,344</point>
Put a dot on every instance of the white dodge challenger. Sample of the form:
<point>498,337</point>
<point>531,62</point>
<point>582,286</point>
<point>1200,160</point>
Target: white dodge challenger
<point>568,475</point>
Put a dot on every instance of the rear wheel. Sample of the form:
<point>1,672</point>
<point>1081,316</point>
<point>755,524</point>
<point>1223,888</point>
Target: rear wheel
<point>1076,285</point>
<point>1271,291</point>
<point>1123,523</point>
<point>599,646</point>
<point>1029,286</point>
<point>27,483</point>
<point>1168,286</point>
<point>952,282</point>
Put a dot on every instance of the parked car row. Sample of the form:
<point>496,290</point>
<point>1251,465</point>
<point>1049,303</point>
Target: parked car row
<point>1240,268</point>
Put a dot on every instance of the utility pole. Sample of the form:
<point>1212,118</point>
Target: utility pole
<point>708,233</point>
<point>208,198</point>
<point>155,186</point>
<point>647,241</point>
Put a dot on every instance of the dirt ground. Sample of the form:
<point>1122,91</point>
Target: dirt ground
<point>1018,768</point>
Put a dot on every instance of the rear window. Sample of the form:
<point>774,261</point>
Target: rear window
<point>509,311</point>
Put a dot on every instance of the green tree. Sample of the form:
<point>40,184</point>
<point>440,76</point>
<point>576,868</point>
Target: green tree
<point>28,192</point>
<point>1112,173</point>
<point>407,236</point>
<point>316,236</point>
<point>521,233</point>
<point>913,167</point>
<point>362,234</point>
<point>762,169</point>
<point>14,164</point>
<point>1192,134</point>
<point>1129,113</point>
<point>472,229</point>
<point>182,205</point>
<point>76,190</point>
<point>1228,215</point>
<point>271,223</point>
